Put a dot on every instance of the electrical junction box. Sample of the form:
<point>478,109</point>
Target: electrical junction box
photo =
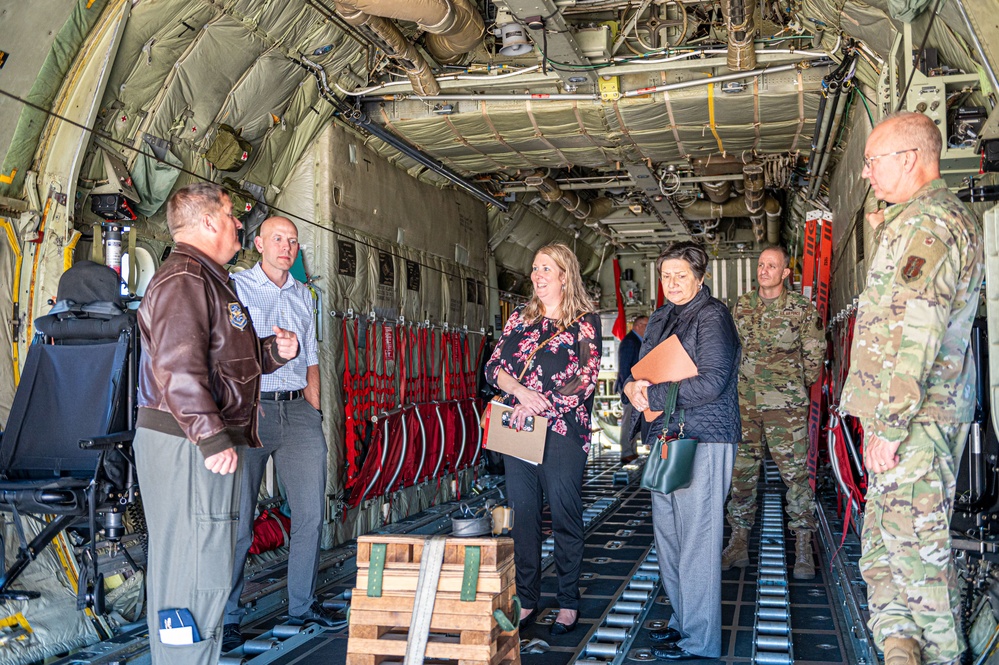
<point>595,43</point>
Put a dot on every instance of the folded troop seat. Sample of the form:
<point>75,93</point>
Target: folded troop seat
<point>66,451</point>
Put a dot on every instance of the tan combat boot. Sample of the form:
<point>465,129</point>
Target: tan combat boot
<point>804,563</point>
<point>902,651</point>
<point>737,552</point>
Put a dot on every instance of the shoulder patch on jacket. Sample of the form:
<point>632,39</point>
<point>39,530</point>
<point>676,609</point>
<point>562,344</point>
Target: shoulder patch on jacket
<point>237,317</point>
<point>921,260</point>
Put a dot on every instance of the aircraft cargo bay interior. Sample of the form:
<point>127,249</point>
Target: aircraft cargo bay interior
<point>499,331</point>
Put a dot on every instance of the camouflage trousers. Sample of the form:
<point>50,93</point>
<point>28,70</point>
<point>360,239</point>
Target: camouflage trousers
<point>785,433</point>
<point>907,563</point>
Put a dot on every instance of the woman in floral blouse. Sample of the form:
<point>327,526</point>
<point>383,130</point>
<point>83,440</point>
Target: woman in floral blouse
<point>558,385</point>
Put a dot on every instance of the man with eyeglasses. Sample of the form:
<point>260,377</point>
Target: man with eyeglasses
<point>911,384</point>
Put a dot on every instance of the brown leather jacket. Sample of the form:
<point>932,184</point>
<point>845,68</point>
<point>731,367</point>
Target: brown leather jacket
<point>201,360</point>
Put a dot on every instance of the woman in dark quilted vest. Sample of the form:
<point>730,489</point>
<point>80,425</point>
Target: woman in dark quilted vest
<point>689,522</point>
<point>552,344</point>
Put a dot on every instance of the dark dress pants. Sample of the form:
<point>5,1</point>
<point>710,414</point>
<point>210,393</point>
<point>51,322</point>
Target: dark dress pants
<point>560,478</point>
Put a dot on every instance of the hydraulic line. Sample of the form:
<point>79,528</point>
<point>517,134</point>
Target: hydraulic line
<point>360,119</point>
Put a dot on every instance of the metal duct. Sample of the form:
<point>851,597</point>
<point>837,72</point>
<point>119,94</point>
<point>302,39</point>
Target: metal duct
<point>738,15</point>
<point>753,181</point>
<point>773,227</point>
<point>717,192</point>
<point>579,207</point>
<point>391,40</point>
<point>727,164</point>
<point>455,26</point>
<point>736,207</point>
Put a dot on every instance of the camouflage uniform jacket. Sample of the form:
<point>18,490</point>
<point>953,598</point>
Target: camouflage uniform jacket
<point>911,357</point>
<point>783,345</point>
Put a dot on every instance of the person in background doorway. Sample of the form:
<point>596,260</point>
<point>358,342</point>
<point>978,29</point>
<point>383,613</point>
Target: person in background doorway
<point>290,427</point>
<point>912,385</point>
<point>627,356</point>
<point>783,345</point>
<point>556,336</point>
<point>199,382</point>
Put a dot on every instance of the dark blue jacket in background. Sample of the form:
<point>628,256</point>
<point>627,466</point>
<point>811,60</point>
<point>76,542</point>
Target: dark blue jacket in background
<point>710,400</point>
<point>627,356</point>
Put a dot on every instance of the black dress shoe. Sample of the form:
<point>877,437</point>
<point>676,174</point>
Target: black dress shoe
<point>559,628</point>
<point>667,636</point>
<point>529,619</point>
<point>231,637</point>
<point>673,652</point>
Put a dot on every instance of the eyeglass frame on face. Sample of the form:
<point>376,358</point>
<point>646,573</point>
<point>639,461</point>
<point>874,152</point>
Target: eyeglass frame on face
<point>869,161</point>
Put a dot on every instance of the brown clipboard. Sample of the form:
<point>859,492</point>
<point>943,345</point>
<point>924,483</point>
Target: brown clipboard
<point>528,446</point>
<point>668,361</point>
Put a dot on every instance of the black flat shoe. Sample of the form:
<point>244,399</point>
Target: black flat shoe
<point>529,619</point>
<point>559,628</point>
<point>673,652</point>
<point>666,636</point>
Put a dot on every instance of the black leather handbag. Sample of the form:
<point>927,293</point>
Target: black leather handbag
<point>671,459</point>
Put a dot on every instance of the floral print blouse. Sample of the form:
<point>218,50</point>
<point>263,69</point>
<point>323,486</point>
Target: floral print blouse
<point>564,370</point>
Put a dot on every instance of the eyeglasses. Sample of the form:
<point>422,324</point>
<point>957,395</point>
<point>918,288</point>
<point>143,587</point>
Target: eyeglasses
<point>869,161</point>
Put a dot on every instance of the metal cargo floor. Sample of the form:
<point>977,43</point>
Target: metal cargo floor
<point>619,571</point>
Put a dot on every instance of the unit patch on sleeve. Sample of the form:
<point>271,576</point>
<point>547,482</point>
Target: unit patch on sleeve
<point>922,260</point>
<point>913,268</point>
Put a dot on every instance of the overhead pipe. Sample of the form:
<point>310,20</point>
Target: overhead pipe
<point>361,119</point>
<point>640,92</point>
<point>838,84</point>
<point>454,26</point>
<point>816,178</point>
<point>982,58</point>
<point>741,55</point>
<point>390,39</point>
<point>579,207</point>
<point>717,192</point>
<point>727,164</point>
<point>753,182</point>
<point>735,207</point>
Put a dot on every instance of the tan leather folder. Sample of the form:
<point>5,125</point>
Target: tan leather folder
<point>528,446</point>
<point>667,362</point>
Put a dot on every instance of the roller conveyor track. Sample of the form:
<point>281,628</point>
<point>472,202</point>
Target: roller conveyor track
<point>622,598</point>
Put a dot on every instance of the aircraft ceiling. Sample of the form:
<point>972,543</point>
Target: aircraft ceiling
<point>595,114</point>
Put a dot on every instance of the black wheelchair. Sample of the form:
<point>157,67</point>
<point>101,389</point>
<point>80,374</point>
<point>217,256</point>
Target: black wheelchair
<point>66,455</point>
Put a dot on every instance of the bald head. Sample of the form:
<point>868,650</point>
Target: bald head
<point>277,242</point>
<point>902,155</point>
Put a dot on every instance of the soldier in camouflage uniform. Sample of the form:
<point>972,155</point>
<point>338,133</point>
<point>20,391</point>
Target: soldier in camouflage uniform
<point>783,345</point>
<point>911,384</point>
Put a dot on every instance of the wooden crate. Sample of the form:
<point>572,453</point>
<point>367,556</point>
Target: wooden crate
<point>463,631</point>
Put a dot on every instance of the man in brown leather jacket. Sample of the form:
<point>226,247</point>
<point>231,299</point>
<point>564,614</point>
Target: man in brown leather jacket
<point>199,381</point>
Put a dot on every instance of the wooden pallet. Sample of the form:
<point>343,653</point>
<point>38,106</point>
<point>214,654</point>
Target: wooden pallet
<point>460,630</point>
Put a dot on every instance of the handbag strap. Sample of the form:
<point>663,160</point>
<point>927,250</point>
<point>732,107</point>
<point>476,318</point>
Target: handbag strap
<point>530,358</point>
<point>669,408</point>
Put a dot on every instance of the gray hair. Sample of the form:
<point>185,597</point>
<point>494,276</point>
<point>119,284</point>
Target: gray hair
<point>188,203</point>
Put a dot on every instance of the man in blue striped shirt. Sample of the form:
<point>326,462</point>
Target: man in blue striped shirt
<point>290,426</point>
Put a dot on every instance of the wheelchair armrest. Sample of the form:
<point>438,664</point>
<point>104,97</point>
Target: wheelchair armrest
<point>107,442</point>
